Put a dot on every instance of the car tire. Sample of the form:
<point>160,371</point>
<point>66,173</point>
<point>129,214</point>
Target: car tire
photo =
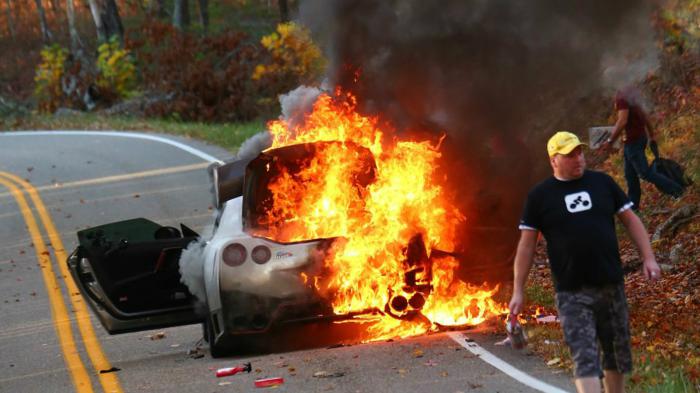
<point>215,350</point>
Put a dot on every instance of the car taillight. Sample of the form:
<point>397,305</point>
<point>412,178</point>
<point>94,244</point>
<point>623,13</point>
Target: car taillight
<point>234,254</point>
<point>261,254</point>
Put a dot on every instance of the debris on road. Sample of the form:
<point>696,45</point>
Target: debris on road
<point>268,382</point>
<point>197,352</point>
<point>547,319</point>
<point>228,371</point>
<point>505,341</point>
<point>431,363</point>
<point>553,361</point>
<point>417,353</point>
<point>326,374</point>
<point>157,336</point>
<point>110,370</point>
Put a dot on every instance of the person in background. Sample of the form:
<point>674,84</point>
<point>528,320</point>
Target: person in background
<point>638,131</point>
<point>575,210</point>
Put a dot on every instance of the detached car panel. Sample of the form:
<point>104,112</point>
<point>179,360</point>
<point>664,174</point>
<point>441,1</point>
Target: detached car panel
<point>128,273</point>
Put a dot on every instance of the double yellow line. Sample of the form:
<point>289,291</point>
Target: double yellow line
<point>61,319</point>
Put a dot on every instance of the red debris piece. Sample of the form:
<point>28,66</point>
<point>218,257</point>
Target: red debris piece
<point>268,382</point>
<point>227,371</point>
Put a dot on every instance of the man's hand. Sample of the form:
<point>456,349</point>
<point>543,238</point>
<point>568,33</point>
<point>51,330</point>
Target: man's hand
<point>651,269</point>
<point>516,303</point>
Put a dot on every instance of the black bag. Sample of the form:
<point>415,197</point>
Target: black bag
<point>668,168</point>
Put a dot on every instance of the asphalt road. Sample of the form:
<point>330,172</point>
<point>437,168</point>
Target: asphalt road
<point>50,343</point>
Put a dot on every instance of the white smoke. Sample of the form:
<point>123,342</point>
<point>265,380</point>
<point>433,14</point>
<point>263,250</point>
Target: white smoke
<point>254,146</point>
<point>295,106</point>
<point>192,269</point>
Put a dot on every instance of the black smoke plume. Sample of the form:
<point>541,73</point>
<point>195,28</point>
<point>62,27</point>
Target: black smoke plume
<point>497,77</point>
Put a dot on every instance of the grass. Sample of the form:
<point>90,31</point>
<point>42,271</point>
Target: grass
<point>536,294</point>
<point>226,135</point>
<point>658,377</point>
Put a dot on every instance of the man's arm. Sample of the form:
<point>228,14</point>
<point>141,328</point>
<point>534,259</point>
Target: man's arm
<point>639,236</point>
<point>622,116</point>
<point>521,268</point>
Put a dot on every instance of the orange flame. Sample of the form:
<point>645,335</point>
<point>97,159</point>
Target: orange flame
<point>375,219</point>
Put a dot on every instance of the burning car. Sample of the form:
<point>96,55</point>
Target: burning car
<point>317,228</point>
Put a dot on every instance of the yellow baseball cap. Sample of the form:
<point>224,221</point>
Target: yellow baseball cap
<point>563,142</point>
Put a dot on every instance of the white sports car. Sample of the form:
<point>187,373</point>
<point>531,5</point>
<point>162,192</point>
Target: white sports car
<point>139,275</point>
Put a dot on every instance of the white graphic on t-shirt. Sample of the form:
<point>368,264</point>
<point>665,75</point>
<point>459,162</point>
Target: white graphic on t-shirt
<point>578,202</point>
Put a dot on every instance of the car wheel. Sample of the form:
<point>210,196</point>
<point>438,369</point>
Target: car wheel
<point>215,350</point>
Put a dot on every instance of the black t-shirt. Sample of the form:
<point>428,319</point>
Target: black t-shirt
<point>577,218</point>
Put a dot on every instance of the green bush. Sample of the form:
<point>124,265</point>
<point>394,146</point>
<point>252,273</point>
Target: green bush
<point>47,78</point>
<point>117,70</point>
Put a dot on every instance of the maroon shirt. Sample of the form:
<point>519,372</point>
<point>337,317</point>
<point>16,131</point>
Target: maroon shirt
<point>635,128</point>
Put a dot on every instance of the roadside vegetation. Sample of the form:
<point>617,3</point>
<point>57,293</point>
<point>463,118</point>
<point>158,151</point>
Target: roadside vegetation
<point>213,72</point>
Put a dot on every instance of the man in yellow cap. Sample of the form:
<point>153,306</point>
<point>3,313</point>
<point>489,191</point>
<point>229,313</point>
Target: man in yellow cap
<point>575,209</point>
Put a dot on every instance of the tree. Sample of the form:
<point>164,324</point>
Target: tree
<point>10,19</point>
<point>75,44</point>
<point>204,14</point>
<point>181,14</point>
<point>45,31</point>
<point>105,13</point>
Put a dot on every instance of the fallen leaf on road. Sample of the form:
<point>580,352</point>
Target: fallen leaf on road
<point>431,363</point>
<point>417,353</point>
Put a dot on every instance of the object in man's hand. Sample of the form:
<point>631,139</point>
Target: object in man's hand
<point>515,332</point>
<point>597,136</point>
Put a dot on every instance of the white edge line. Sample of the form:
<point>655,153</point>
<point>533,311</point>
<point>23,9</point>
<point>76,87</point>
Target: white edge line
<point>495,361</point>
<point>179,145</point>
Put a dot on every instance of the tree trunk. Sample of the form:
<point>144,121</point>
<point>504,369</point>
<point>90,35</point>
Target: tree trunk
<point>76,44</point>
<point>10,19</point>
<point>284,10</point>
<point>204,14</point>
<point>45,31</point>
<point>113,22</point>
<point>99,26</point>
<point>107,21</point>
<point>181,14</point>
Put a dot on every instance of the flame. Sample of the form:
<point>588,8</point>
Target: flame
<point>375,207</point>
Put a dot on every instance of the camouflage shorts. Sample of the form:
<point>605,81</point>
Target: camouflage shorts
<point>596,320</point>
